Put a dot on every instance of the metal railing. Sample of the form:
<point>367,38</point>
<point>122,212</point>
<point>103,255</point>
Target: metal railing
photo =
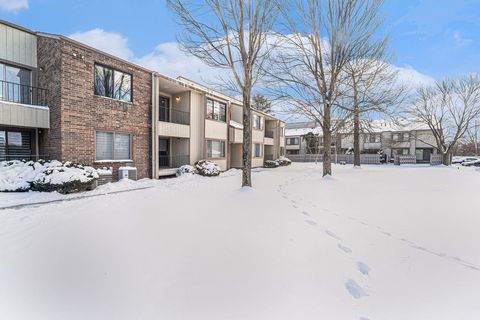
<point>173,161</point>
<point>174,116</point>
<point>20,93</point>
<point>10,157</point>
<point>269,134</point>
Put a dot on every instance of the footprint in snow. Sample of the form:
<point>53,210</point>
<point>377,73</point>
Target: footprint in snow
<point>305,213</point>
<point>344,248</point>
<point>354,289</point>
<point>311,222</point>
<point>333,235</point>
<point>387,234</point>
<point>363,268</point>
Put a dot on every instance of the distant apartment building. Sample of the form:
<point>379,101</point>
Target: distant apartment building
<point>387,137</point>
<point>61,99</point>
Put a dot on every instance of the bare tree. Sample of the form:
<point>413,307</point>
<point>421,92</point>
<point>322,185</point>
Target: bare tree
<point>321,37</point>
<point>371,87</point>
<point>261,103</point>
<point>449,109</point>
<point>230,35</point>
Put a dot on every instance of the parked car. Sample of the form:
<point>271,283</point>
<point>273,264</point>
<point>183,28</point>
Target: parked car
<point>460,160</point>
<point>474,163</point>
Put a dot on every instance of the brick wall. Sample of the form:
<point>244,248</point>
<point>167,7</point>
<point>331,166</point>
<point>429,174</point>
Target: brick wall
<point>79,113</point>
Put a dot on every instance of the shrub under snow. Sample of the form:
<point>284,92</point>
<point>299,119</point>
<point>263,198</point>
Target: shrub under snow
<point>207,168</point>
<point>271,164</point>
<point>184,170</point>
<point>283,161</point>
<point>46,176</point>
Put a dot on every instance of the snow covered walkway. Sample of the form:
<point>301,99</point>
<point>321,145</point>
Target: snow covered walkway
<point>371,243</point>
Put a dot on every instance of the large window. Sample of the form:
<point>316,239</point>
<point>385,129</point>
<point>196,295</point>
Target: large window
<point>257,122</point>
<point>215,149</point>
<point>15,84</point>
<point>216,110</point>
<point>401,136</point>
<point>257,150</point>
<point>113,83</point>
<point>373,138</point>
<point>113,146</point>
<point>293,141</point>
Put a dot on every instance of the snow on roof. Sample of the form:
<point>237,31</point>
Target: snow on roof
<point>398,125</point>
<point>236,125</point>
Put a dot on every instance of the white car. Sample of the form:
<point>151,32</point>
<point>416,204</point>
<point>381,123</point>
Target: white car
<point>461,160</point>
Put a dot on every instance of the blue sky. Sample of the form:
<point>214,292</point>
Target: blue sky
<point>437,38</point>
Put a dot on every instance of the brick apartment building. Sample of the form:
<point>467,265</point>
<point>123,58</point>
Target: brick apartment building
<point>60,99</point>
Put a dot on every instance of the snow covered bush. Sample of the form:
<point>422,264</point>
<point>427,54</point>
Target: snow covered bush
<point>271,164</point>
<point>46,176</point>
<point>184,170</point>
<point>283,161</point>
<point>207,168</point>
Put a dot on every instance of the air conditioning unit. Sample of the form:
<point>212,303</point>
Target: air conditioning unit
<point>127,173</point>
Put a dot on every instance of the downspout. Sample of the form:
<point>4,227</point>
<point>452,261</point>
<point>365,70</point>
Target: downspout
<point>154,127</point>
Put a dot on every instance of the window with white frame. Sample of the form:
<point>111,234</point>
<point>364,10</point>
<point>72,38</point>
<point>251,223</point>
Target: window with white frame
<point>257,150</point>
<point>258,122</point>
<point>216,110</point>
<point>113,146</point>
<point>215,149</point>
<point>293,141</point>
<point>373,138</point>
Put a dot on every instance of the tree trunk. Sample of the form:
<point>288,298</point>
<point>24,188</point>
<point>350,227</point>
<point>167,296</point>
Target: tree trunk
<point>356,136</point>
<point>247,141</point>
<point>327,142</point>
<point>446,159</point>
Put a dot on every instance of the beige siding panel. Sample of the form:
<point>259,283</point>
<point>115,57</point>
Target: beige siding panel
<point>215,130</point>
<point>257,136</point>
<point>293,147</point>
<point>237,113</point>
<point>197,126</point>
<point>12,114</point>
<point>168,129</point>
<point>257,162</point>
<point>18,46</point>
<point>236,135</point>
<point>268,141</point>
<point>222,163</point>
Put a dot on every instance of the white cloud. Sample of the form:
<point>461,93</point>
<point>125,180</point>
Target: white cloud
<point>111,42</point>
<point>13,5</point>
<point>461,40</point>
<point>413,78</point>
<point>168,59</point>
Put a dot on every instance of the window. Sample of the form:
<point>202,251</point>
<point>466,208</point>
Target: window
<point>293,141</point>
<point>215,149</point>
<point>257,122</point>
<point>15,84</point>
<point>257,150</point>
<point>282,132</point>
<point>112,83</point>
<point>216,110</point>
<point>113,146</point>
<point>373,138</point>
<point>290,152</point>
<point>282,151</point>
<point>401,136</point>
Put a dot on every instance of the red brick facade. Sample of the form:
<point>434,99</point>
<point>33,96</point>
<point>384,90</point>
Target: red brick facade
<point>66,69</point>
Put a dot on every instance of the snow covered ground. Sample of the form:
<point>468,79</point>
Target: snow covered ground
<point>372,243</point>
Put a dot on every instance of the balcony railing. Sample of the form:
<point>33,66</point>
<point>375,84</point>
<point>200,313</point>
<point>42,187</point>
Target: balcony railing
<point>269,157</point>
<point>173,161</point>
<point>19,93</point>
<point>10,157</point>
<point>269,134</point>
<point>174,116</point>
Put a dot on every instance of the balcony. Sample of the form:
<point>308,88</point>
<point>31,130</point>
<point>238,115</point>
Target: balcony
<point>22,94</point>
<point>269,134</point>
<point>23,106</point>
<point>173,123</point>
<point>173,161</point>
